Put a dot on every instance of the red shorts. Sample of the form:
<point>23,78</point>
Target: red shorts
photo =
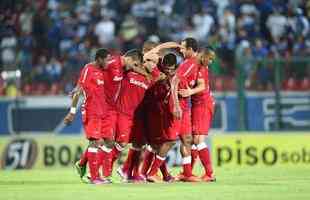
<point>124,125</point>
<point>112,115</point>
<point>96,128</point>
<point>153,128</point>
<point>137,134</point>
<point>171,131</point>
<point>202,118</point>
<point>186,125</point>
<point>162,127</point>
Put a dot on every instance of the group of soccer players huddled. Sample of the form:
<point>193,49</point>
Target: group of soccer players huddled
<point>146,99</point>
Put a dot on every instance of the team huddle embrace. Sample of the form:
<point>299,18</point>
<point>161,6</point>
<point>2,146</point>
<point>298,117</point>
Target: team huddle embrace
<point>146,99</point>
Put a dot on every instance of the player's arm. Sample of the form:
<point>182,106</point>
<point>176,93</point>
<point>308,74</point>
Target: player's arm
<point>191,91</point>
<point>166,45</point>
<point>73,109</point>
<point>177,111</point>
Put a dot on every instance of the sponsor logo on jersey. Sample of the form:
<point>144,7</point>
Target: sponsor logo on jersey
<point>138,83</point>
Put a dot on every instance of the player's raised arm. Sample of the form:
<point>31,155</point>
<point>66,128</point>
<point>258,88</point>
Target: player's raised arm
<point>73,109</point>
<point>166,45</point>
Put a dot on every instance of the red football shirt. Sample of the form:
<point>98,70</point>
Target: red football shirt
<point>187,72</point>
<point>132,92</point>
<point>113,76</point>
<point>91,80</point>
<point>206,94</point>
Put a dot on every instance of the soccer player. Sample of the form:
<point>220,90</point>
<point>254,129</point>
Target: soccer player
<point>202,111</point>
<point>130,169</point>
<point>168,116</point>
<point>187,70</point>
<point>117,66</point>
<point>131,95</point>
<point>95,121</point>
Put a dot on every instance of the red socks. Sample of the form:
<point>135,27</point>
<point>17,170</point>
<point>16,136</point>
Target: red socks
<point>132,162</point>
<point>194,154</point>
<point>204,156</point>
<point>114,154</point>
<point>127,164</point>
<point>148,158</point>
<point>164,169</point>
<point>104,155</point>
<point>83,159</point>
<point>187,167</point>
<point>156,165</point>
<point>92,155</point>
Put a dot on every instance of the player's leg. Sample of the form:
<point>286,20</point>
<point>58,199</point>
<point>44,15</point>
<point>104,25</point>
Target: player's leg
<point>204,156</point>
<point>138,140</point>
<point>186,143</point>
<point>134,168</point>
<point>123,129</point>
<point>159,160</point>
<point>104,154</point>
<point>148,157</point>
<point>93,133</point>
<point>202,122</point>
<point>81,164</point>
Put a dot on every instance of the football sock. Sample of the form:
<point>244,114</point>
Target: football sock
<point>164,169</point>
<point>187,167</point>
<point>104,155</point>
<point>148,158</point>
<point>156,165</point>
<point>194,154</point>
<point>83,159</point>
<point>93,163</point>
<point>204,156</point>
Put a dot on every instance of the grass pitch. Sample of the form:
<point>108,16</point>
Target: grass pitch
<point>240,183</point>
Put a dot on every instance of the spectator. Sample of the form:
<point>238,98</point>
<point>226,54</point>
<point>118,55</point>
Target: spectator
<point>53,70</point>
<point>105,31</point>
<point>276,24</point>
<point>203,23</point>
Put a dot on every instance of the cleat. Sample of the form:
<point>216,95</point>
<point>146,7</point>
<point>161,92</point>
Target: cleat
<point>81,170</point>
<point>122,174</point>
<point>154,179</point>
<point>101,181</point>
<point>191,178</point>
<point>208,178</point>
<point>138,179</point>
<point>169,179</point>
<point>179,177</point>
<point>107,180</point>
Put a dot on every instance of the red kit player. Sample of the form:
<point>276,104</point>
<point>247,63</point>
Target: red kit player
<point>166,122</point>
<point>202,112</point>
<point>188,71</point>
<point>91,85</point>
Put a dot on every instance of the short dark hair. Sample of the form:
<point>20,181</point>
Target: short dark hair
<point>135,54</point>
<point>169,60</point>
<point>101,53</point>
<point>191,43</point>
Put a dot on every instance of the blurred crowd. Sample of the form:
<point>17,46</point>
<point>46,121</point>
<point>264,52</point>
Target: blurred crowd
<point>51,40</point>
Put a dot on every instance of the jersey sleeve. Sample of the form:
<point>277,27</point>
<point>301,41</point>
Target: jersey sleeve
<point>84,77</point>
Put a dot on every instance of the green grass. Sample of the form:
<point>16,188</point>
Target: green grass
<point>240,183</point>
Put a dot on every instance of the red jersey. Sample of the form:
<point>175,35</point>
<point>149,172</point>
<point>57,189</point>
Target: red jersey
<point>187,72</point>
<point>132,92</point>
<point>206,94</point>
<point>113,76</point>
<point>91,80</point>
<point>161,95</point>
